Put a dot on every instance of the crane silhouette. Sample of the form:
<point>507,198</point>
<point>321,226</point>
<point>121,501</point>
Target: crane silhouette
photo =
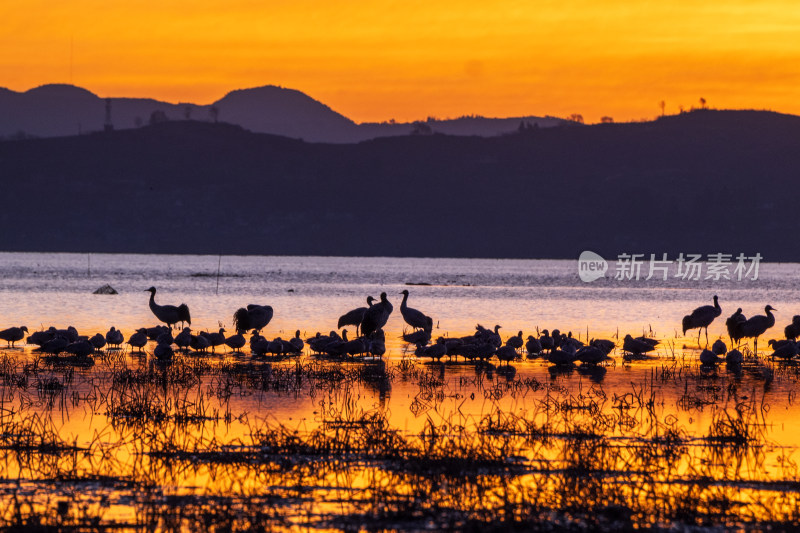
<point>376,316</point>
<point>732,324</point>
<point>169,314</point>
<point>701,318</point>
<point>355,317</point>
<point>756,326</point>
<point>253,317</point>
<point>413,317</point>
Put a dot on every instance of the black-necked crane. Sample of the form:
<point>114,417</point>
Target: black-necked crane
<point>732,325</point>
<point>413,317</point>
<point>355,317</point>
<point>701,318</point>
<point>376,316</point>
<point>254,317</point>
<point>756,326</point>
<point>169,314</point>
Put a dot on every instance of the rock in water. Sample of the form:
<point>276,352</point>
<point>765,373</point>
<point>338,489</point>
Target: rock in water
<point>106,289</point>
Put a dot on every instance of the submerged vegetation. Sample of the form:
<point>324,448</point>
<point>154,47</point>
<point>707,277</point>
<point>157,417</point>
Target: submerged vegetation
<point>232,443</point>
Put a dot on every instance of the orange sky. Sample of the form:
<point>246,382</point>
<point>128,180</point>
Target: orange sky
<point>410,59</point>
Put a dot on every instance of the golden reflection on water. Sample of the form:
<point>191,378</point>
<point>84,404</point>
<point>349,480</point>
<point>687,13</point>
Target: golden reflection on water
<point>649,438</point>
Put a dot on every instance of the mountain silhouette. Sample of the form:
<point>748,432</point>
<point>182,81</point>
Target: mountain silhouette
<point>285,112</point>
<point>700,182</point>
<point>63,110</point>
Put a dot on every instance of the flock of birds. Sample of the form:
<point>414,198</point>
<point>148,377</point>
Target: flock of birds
<point>483,345</point>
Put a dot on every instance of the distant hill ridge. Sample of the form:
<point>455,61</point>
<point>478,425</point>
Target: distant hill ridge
<point>62,110</point>
<point>701,182</point>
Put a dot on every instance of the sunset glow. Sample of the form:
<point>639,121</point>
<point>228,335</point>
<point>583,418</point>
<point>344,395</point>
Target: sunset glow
<point>409,60</point>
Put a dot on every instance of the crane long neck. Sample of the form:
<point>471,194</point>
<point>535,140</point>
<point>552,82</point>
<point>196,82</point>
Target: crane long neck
<point>403,304</point>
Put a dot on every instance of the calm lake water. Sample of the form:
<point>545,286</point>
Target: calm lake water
<point>310,293</point>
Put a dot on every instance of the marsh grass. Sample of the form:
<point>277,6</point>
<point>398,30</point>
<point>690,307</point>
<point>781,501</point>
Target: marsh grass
<point>542,452</point>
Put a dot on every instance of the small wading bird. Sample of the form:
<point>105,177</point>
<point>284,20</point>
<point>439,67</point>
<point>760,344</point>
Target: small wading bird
<point>792,331</point>
<point>516,342</point>
<point>533,346</point>
<point>604,345</point>
<point>591,355</point>
<point>734,357</point>
<point>756,326</point>
<point>701,318</point>
<point>639,345</point>
<point>114,337</point>
<point>169,314</point>
<point>163,352</point>
<point>138,339</point>
<point>783,349</point>
<point>719,347</point>
<point>98,341</point>
<point>355,317</point>
<point>708,358</point>
<point>12,335</point>
<point>236,342</point>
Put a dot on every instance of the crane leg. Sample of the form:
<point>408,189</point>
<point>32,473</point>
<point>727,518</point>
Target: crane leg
<point>706,335</point>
